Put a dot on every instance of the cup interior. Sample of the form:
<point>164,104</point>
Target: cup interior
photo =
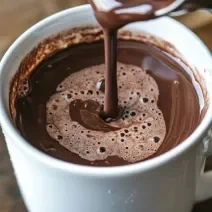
<point>186,42</point>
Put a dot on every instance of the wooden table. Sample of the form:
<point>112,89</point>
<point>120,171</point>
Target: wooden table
<point>15,18</point>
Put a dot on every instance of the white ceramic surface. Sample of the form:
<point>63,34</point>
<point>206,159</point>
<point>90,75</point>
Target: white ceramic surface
<point>163,184</point>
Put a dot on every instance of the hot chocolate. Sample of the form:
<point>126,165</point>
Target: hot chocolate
<point>116,113</point>
<point>160,102</point>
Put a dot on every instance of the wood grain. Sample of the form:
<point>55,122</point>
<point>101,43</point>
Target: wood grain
<point>18,15</point>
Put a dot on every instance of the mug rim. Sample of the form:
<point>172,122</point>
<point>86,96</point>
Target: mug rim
<point>21,143</point>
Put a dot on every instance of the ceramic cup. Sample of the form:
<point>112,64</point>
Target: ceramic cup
<point>172,182</point>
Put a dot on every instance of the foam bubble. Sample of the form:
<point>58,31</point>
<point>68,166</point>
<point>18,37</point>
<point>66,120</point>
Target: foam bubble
<point>23,88</point>
<point>142,125</point>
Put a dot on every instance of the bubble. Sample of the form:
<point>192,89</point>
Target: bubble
<point>133,113</point>
<point>156,139</point>
<point>145,100</point>
<point>102,149</point>
<point>68,96</point>
<point>176,82</point>
<point>59,137</point>
<point>90,92</point>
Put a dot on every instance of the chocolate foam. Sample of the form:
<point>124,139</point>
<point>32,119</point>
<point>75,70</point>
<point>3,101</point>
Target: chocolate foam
<point>134,137</point>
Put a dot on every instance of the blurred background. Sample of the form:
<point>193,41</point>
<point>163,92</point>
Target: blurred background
<point>18,15</point>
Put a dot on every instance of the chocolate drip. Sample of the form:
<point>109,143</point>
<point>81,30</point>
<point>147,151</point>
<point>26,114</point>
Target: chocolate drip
<point>112,15</point>
<point>111,91</point>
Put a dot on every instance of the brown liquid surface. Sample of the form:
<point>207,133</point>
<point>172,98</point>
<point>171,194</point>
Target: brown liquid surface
<point>178,98</point>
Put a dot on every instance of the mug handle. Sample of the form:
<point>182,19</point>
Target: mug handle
<point>204,184</point>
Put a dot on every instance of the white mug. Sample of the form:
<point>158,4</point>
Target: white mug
<point>171,182</point>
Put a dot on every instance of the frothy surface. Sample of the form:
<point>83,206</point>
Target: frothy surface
<point>134,137</point>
